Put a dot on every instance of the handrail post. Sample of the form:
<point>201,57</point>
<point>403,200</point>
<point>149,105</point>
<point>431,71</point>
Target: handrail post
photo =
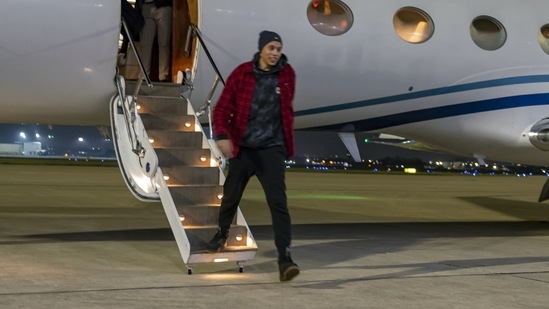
<point>130,111</point>
<point>207,106</point>
<point>139,61</point>
<point>212,62</point>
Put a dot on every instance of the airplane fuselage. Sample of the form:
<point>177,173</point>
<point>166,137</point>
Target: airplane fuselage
<point>446,91</point>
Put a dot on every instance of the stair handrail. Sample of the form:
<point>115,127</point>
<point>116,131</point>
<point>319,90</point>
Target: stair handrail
<point>129,116</point>
<point>139,61</point>
<point>196,32</point>
<point>208,106</point>
<point>193,29</point>
<point>130,109</point>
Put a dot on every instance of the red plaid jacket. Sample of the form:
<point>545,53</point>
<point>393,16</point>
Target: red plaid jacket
<point>230,114</point>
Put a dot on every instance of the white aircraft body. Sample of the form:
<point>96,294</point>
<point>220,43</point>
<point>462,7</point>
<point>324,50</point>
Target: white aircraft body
<point>464,77</point>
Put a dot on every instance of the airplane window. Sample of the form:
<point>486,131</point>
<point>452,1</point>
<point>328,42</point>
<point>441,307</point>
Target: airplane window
<point>543,38</point>
<point>413,25</point>
<point>330,17</point>
<point>487,32</point>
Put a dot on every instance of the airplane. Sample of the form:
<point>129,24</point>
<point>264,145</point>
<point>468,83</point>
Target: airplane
<point>468,78</point>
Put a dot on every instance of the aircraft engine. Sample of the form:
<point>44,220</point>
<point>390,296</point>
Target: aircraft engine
<point>539,134</point>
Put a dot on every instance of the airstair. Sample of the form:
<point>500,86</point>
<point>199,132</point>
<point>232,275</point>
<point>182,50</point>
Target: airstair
<point>164,155</point>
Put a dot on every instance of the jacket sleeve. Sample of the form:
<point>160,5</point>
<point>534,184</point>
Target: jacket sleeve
<point>288,88</point>
<point>224,109</point>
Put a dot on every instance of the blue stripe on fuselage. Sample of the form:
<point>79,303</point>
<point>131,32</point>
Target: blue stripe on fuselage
<point>437,112</point>
<point>392,120</point>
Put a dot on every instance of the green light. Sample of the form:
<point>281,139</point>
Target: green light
<point>365,140</point>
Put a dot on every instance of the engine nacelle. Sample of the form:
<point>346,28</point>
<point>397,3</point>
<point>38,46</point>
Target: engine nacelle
<point>539,134</point>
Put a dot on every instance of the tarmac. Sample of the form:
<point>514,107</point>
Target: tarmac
<point>75,237</point>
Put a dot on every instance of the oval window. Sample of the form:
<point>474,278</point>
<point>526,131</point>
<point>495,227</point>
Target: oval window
<point>330,17</point>
<point>413,25</point>
<point>543,38</point>
<point>488,33</point>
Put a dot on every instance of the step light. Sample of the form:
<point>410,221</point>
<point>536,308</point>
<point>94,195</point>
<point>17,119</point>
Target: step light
<point>219,260</point>
<point>238,237</point>
<point>187,124</point>
<point>220,196</point>
<point>181,218</point>
<point>138,107</point>
<point>203,158</point>
<point>166,177</point>
<point>151,140</point>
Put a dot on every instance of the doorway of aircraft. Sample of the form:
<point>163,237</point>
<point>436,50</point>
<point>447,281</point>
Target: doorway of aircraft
<point>184,13</point>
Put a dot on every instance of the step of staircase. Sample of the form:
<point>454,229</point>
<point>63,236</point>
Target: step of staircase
<point>159,89</point>
<point>190,195</point>
<point>183,174</point>
<point>198,215</point>
<point>161,121</point>
<point>199,238</point>
<point>175,139</point>
<point>183,156</point>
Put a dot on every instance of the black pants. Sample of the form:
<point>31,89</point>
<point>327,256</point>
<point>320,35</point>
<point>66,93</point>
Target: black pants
<point>268,165</point>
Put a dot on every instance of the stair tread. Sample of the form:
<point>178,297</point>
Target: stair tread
<point>225,249</point>
<point>174,131</point>
<point>193,185</point>
<point>206,227</point>
<point>164,114</point>
<point>199,205</point>
<point>181,166</point>
<point>180,148</point>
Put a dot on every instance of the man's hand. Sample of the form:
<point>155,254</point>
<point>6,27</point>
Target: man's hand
<point>226,147</point>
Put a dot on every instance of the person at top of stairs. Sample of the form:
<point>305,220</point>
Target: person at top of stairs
<point>253,123</point>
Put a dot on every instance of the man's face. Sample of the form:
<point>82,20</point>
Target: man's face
<point>270,54</point>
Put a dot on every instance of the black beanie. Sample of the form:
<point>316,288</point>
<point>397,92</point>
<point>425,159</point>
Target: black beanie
<point>265,37</point>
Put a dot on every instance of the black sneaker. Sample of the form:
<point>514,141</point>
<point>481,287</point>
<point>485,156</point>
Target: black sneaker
<point>287,268</point>
<point>218,241</point>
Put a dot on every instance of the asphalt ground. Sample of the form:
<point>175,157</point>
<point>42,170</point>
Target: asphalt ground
<point>74,237</point>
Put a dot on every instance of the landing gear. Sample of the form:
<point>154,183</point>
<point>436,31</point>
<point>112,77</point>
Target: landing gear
<point>189,270</point>
<point>544,195</point>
